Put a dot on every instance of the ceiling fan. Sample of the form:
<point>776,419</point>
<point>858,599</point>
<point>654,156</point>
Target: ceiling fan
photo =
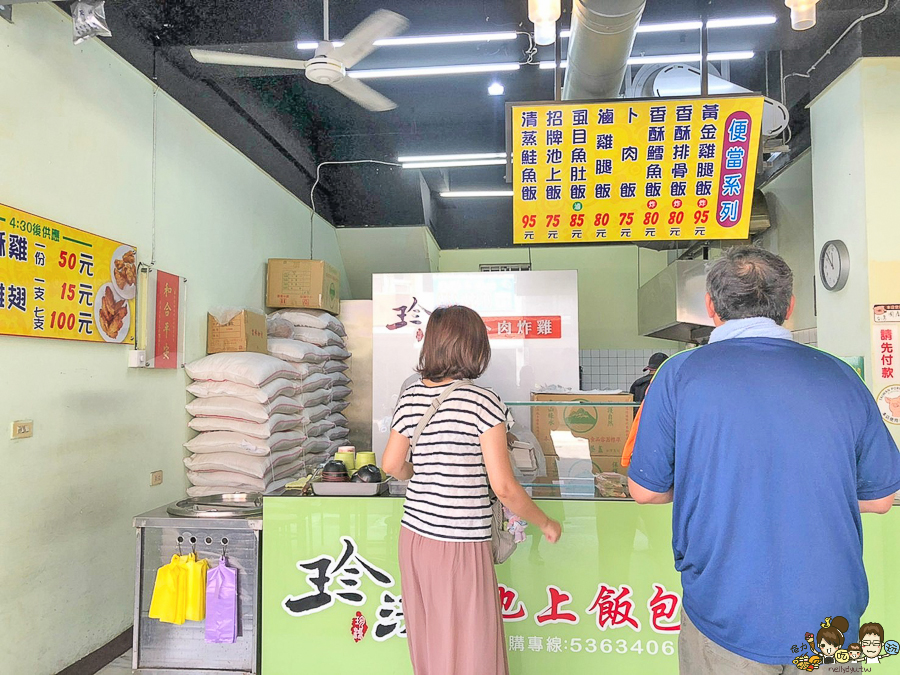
<point>329,65</point>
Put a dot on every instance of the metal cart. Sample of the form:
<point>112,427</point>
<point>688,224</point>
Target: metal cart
<point>167,649</point>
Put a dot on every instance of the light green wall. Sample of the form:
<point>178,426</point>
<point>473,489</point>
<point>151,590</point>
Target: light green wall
<point>790,200</point>
<point>607,285</point>
<point>839,191</point>
<point>855,133</point>
<point>380,250</point>
<point>76,145</point>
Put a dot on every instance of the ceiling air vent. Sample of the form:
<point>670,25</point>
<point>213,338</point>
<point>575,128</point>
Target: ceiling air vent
<point>506,267</point>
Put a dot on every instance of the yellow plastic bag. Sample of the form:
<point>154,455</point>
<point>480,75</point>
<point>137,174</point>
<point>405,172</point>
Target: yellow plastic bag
<point>196,589</point>
<point>169,600</point>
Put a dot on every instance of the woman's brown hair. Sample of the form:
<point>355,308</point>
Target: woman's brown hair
<point>834,634</point>
<point>456,345</point>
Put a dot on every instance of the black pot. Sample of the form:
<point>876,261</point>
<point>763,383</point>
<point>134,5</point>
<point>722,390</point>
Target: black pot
<point>335,467</point>
<point>369,474</point>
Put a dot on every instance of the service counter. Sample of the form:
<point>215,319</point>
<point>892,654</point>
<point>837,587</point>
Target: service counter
<point>605,598</point>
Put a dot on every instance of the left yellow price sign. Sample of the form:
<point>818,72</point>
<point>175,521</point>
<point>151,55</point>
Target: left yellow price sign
<point>60,282</point>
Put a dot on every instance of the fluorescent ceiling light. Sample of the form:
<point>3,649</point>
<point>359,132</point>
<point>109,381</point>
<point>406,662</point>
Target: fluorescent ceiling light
<point>433,70</point>
<point>478,193</point>
<point>672,26</point>
<point>425,39</point>
<point>677,26</point>
<point>670,58</point>
<point>452,158</point>
<point>739,21</point>
<point>447,39</point>
<point>451,164</point>
<point>313,45</point>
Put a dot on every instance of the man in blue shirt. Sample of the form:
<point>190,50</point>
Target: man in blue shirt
<point>769,450</point>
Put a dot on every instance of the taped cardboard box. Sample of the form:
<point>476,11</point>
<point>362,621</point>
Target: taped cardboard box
<point>605,428</point>
<point>304,284</point>
<point>244,332</point>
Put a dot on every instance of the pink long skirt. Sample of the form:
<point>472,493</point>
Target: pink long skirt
<point>452,607</point>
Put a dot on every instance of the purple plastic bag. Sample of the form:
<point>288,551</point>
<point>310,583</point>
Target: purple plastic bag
<point>221,604</point>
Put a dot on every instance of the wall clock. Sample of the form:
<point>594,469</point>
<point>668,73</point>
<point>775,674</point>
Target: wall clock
<point>834,265</point>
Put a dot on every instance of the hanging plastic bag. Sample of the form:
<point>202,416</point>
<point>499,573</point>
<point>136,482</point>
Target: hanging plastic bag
<point>169,600</point>
<point>222,604</point>
<point>195,595</point>
<point>89,20</point>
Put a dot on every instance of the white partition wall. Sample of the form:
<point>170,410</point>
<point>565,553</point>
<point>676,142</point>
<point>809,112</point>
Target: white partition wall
<point>532,318</point>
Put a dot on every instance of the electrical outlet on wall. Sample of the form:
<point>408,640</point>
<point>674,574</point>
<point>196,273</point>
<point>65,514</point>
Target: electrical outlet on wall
<point>155,478</point>
<point>21,429</point>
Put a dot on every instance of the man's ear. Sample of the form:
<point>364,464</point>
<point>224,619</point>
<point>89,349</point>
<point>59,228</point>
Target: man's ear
<point>790,309</point>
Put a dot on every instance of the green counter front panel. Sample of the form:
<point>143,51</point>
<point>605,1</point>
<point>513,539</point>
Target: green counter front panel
<point>606,598</point>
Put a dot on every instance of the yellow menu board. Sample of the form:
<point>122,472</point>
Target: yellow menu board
<point>60,282</point>
<point>640,170</point>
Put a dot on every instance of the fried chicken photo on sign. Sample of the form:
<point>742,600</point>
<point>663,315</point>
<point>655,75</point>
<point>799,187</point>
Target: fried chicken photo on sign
<point>112,314</point>
<point>125,271</point>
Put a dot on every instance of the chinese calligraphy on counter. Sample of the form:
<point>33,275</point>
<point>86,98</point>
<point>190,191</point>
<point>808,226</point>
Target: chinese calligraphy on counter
<point>644,170</point>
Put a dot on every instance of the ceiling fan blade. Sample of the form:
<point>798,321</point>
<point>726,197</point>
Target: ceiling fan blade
<point>234,59</point>
<point>364,95</point>
<point>361,40</point>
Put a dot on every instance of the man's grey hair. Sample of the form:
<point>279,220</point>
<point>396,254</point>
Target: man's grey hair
<point>749,282</point>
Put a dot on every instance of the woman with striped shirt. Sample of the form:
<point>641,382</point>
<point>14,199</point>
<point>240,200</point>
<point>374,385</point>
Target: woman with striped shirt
<point>450,596</point>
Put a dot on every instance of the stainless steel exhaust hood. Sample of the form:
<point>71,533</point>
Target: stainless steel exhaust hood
<point>672,305</point>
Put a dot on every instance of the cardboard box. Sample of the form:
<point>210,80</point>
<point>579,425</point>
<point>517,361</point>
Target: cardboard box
<point>244,333</point>
<point>606,429</point>
<point>306,284</point>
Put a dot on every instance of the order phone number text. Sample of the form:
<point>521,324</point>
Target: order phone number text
<point>521,643</point>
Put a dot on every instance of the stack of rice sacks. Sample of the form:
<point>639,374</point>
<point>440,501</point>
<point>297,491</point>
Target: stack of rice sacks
<point>314,342</point>
<point>250,423</point>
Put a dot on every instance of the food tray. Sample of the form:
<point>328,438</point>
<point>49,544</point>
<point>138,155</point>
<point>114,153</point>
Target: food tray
<point>322,489</point>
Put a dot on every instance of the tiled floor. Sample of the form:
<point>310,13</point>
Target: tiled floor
<point>120,666</point>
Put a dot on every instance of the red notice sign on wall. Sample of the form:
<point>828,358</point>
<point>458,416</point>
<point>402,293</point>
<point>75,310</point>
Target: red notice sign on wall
<point>524,327</point>
<point>167,311</point>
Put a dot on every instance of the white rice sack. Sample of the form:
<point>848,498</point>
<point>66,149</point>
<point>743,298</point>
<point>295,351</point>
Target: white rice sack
<point>240,480</point>
<point>312,318</point>
<point>297,352</point>
<point>340,393</point>
<point>316,429</point>
<point>233,442</point>
<point>339,379</point>
<point>338,353</point>
<point>254,370</point>
<point>315,383</point>
<point>307,369</point>
<point>334,366</point>
<point>239,409</point>
<point>317,336</point>
<point>314,446</point>
<point>255,467</point>
<point>278,327</point>
<point>315,414</point>
<point>264,394</point>
<point>314,398</point>
<point>337,433</point>
<point>265,429</point>
<point>338,419</point>
<point>339,406</point>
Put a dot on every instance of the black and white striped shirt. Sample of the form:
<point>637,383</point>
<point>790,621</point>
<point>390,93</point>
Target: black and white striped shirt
<point>447,497</point>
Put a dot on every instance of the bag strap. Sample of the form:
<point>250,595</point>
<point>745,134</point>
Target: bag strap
<point>430,412</point>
